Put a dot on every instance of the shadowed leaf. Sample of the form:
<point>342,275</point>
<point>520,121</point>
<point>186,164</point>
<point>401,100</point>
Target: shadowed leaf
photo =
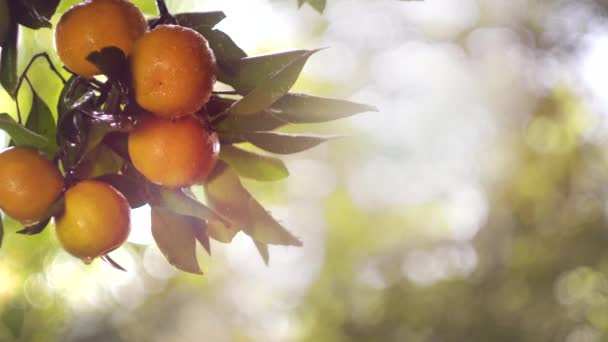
<point>113,63</point>
<point>302,108</point>
<point>41,121</point>
<point>226,52</point>
<point>102,125</point>
<point>263,250</point>
<point>200,20</point>
<point>8,60</point>
<point>174,235</point>
<point>35,14</point>
<point>21,136</point>
<point>283,143</point>
<point>273,88</point>
<point>13,317</point>
<point>254,165</point>
<point>263,121</point>
<point>226,194</point>
<point>75,94</point>
<point>1,231</point>
<point>220,232</point>
<point>200,232</point>
<point>128,186</point>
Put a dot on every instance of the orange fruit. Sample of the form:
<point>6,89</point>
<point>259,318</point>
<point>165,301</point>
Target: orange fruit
<point>173,71</point>
<point>29,184</point>
<point>92,25</point>
<point>173,153</point>
<point>96,220</point>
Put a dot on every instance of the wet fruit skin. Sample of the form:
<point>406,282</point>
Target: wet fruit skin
<point>29,184</point>
<point>94,24</point>
<point>173,71</point>
<point>173,153</point>
<point>95,221</point>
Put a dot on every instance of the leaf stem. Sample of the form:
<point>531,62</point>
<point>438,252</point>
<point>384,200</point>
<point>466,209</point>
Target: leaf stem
<point>165,16</point>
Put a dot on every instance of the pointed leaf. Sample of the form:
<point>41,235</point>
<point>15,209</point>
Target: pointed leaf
<point>302,108</point>
<point>254,165</point>
<point>220,232</point>
<point>227,195</point>
<point>264,121</point>
<point>200,232</point>
<point>41,121</point>
<point>200,20</point>
<point>36,228</point>
<point>8,60</point>
<point>263,250</point>
<point>178,202</point>
<point>226,52</point>
<point>318,5</point>
<point>174,235</point>
<point>252,71</point>
<point>112,263</point>
<point>35,14</point>
<point>283,143</point>
<point>272,89</point>
<point>21,136</point>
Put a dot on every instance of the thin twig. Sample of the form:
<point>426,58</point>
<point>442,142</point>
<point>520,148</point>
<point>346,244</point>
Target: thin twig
<point>165,16</point>
<point>29,65</point>
<point>225,92</point>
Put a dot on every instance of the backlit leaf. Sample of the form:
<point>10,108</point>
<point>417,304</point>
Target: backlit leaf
<point>180,203</point>
<point>254,165</point>
<point>273,88</point>
<point>220,232</point>
<point>20,135</point>
<point>252,71</point>
<point>226,194</point>
<point>283,143</point>
<point>263,121</point>
<point>302,108</point>
<point>318,5</point>
<point>8,60</point>
<point>226,52</point>
<point>263,250</point>
<point>41,121</point>
<point>200,232</point>
<point>174,235</point>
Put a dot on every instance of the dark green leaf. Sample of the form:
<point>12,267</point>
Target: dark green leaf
<point>254,165</point>
<point>54,210</point>
<point>180,203</point>
<point>21,135</point>
<point>76,93</point>
<point>227,53</point>
<point>35,14</point>
<point>200,20</point>
<point>283,143</point>
<point>263,121</point>
<point>252,71</point>
<point>113,63</point>
<point>318,5</point>
<point>174,235</point>
<point>5,17</point>
<point>41,121</point>
<point>263,250</point>
<point>226,194</point>
<point>128,186</point>
<point>200,232</point>
<point>273,88</point>
<point>8,60</point>
<point>302,108</point>
<point>100,161</point>
<point>13,317</point>
<point>102,125</point>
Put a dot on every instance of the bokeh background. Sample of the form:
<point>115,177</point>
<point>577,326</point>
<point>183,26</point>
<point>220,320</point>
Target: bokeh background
<point>471,207</point>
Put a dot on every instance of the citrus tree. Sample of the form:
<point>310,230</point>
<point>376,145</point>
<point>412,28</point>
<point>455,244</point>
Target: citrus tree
<point>140,120</point>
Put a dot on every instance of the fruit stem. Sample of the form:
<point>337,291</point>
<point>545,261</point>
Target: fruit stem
<point>165,16</point>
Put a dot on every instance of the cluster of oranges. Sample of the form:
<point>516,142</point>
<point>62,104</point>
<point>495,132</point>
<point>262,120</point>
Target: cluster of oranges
<point>172,76</point>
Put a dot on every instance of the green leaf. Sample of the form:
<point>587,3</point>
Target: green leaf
<point>226,194</point>
<point>13,316</point>
<point>102,125</point>
<point>180,203</point>
<point>200,20</point>
<point>273,88</point>
<point>302,108</point>
<point>282,143</point>
<point>263,250</point>
<point>41,121</point>
<point>220,232</point>
<point>54,210</point>
<point>112,62</point>
<point>227,53</point>
<point>128,186</point>
<point>200,232</point>
<point>263,121</point>
<point>8,60</point>
<point>252,71</point>
<point>1,231</point>
<point>174,235</point>
<point>253,165</point>
<point>76,93</point>
<point>35,14</point>
<point>318,5</point>
<point>21,136</point>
